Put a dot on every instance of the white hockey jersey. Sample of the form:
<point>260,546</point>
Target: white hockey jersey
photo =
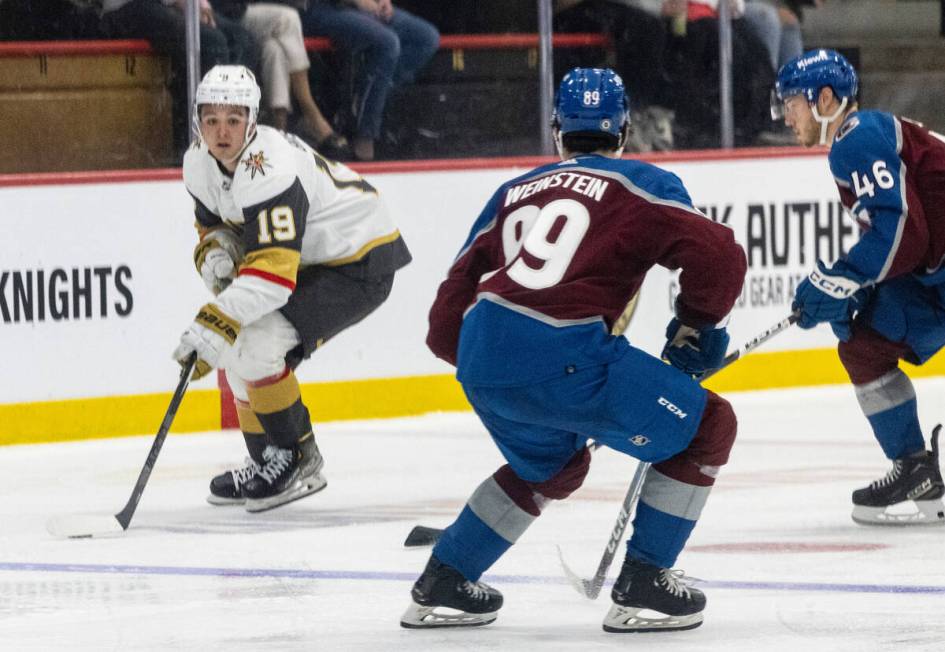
<point>292,208</point>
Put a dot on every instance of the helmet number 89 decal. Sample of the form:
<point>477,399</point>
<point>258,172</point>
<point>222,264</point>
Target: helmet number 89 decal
<point>591,98</point>
<point>530,228</point>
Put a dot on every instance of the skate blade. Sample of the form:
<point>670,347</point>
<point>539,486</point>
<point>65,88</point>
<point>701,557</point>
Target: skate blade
<point>927,512</point>
<point>420,617</point>
<point>300,489</point>
<point>220,500</point>
<point>627,620</point>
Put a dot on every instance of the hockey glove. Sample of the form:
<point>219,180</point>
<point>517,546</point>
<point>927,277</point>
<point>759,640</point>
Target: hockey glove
<point>825,296</point>
<point>842,327</point>
<point>693,350</point>
<point>216,257</point>
<point>211,333</point>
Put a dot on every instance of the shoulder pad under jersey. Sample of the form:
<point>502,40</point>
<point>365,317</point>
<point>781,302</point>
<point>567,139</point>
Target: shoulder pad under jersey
<point>267,167</point>
<point>650,182</point>
<point>200,173</point>
<point>864,138</point>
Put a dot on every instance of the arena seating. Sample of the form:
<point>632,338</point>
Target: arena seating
<point>94,105</point>
<point>86,105</point>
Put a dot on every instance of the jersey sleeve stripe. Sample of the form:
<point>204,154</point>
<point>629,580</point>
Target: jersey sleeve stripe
<point>472,239</point>
<point>275,264</point>
<point>364,250</point>
<point>900,226</point>
<point>272,278</point>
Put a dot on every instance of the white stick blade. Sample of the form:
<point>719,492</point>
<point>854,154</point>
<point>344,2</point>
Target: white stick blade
<point>592,587</point>
<point>580,585</point>
<point>81,526</point>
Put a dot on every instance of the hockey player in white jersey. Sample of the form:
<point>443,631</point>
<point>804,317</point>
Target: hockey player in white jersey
<point>295,248</point>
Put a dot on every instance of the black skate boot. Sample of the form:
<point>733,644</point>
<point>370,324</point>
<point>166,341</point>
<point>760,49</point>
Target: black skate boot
<point>312,461</point>
<point>443,586</point>
<point>287,475</point>
<point>227,488</point>
<point>642,586</point>
<point>915,478</point>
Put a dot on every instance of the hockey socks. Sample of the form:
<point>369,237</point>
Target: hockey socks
<point>489,524</point>
<point>253,432</point>
<point>666,514</point>
<point>277,402</point>
<point>890,406</point>
<point>499,512</point>
<point>675,490</point>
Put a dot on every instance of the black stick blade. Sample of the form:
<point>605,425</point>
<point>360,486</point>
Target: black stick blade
<point>422,536</point>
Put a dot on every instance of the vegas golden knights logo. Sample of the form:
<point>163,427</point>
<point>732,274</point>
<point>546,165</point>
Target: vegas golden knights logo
<point>256,163</point>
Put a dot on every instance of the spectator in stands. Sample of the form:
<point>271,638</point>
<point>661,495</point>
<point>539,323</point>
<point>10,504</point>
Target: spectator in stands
<point>695,74</point>
<point>763,21</point>
<point>393,46</point>
<point>777,23</point>
<point>668,53</point>
<point>639,29</point>
<point>163,26</point>
<point>241,45</point>
<point>40,20</point>
<point>277,30</point>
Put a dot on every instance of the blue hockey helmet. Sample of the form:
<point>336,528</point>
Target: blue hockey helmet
<point>808,73</point>
<point>591,100</point>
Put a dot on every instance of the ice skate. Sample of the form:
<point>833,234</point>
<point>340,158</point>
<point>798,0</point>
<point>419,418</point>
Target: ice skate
<point>914,481</point>
<point>287,475</point>
<point>227,488</point>
<point>469,604</point>
<point>312,461</point>
<point>652,599</point>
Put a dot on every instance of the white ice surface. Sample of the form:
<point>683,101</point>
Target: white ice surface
<point>784,566</point>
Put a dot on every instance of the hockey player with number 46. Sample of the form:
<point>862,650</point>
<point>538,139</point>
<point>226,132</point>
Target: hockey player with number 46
<point>884,299</point>
<point>526,314</point>
<point>296,249</point>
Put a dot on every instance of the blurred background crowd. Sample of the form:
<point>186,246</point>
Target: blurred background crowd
<point>369,80</point>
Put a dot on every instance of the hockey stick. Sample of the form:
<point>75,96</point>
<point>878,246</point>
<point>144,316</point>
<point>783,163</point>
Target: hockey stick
<point>422,535</point>
<point>591,588</point>
<point>80,526</point>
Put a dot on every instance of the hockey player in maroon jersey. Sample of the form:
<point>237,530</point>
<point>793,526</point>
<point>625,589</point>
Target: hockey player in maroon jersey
<point>890,172</point>
<point>526,314</point>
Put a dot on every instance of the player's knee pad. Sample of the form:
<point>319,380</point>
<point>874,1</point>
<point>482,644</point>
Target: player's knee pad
<point>531,496</point>
<point>699,463</point>
<point>568,480</point>
<point>518,491</point>
<point>716,434</point>
<point>259,351</point>
<point>867,355</point>
<point>237,385</point>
